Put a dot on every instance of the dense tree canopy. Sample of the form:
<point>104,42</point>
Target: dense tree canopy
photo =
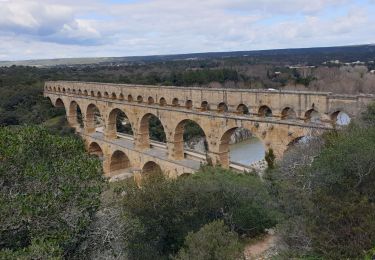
<point>326,191</point>
<point>49,192</point>
<point>164,211</point>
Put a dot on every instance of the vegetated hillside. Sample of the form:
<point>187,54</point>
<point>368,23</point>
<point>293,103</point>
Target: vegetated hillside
<point>311,56</point>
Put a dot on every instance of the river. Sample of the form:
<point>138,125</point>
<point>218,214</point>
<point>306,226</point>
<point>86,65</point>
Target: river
<point>247,152</point>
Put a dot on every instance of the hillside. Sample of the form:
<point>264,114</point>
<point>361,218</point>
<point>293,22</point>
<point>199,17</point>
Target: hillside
<point>304,56</point>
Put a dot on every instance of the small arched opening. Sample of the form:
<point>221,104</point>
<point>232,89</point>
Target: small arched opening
<point>150,100</point>
<point>64,90</point>
<point>79,92</point>
<point>92,93</point>
<point>113,96</point>
<point>85,93</point>
<point>139,99</point>
<point>189,104</point>
<point>119,162</point>
<point>288,113</point>
<point>96,150</point>
<point>265,111</point>
<point>312,116</point>
<point>130,98</point>
<point>205,106</point>
<point>242,109</point>
<point>106,95</point>
<point>121,96</point>
<point>59,89</point>
<point>162,102</point>
<point>222,107</point>
<point>99,94</point>
<point>175,102</point>
<point>151,167</point>
<point>340,118</point>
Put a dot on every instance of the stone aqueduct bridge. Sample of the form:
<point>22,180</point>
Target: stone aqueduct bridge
<point>276,118</point>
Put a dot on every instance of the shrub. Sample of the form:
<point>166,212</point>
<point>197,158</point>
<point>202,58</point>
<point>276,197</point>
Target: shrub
<point>167,210</point>
<point>270,158</point>
<point>326,191</point>
<point>49,190</point>
<point>212,241</point>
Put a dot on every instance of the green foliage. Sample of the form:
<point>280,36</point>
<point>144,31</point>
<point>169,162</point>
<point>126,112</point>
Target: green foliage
<point>167,210</point>
<point>327,195</point>
<point>368,117</point>
<point>343,195</point>
<point>25,104</point>
<point>156,129</point>
<point>49,192</point>
<point>270,158</point>
<point>213,241</point>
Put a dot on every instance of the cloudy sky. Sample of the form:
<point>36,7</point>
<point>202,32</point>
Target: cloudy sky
<point>35,29</point>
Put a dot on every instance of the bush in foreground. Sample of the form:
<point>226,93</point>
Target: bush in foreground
<point>49,191</point>
<point>212,241</point>
<point>164,211</point>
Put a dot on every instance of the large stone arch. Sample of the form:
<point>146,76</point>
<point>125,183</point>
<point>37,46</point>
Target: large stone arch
<point>95,149</point>
<point>151,167</point>
<point>90,124</point>
<point>111,127</point>
<point>119,161</point>
<point>142,138</point>
<point>220,152</point>
<point>73,115</point>
<point>176,146</point>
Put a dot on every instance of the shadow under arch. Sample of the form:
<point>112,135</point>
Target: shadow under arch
<point>265,111</point>
<point>242,109</point>
<point>185,131</point>
<point>96,150</point>
<point>151,167</point>
<point>312,115</point>
<point>59,103</point>
<point>288,113</point>
<point>119,161</point>
<point>118,122</point>
<point>222,107</point>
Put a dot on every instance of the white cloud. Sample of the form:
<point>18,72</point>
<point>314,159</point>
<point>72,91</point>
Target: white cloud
<point>97,28</point>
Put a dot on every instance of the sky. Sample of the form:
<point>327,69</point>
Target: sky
<point>41,29</point>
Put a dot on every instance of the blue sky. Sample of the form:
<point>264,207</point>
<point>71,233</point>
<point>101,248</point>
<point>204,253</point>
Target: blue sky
<point>38,29</point>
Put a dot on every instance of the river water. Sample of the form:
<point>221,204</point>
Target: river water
<point>247,152</point>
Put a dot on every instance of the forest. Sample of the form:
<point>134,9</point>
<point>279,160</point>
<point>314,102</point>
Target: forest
<point>56,204</point>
